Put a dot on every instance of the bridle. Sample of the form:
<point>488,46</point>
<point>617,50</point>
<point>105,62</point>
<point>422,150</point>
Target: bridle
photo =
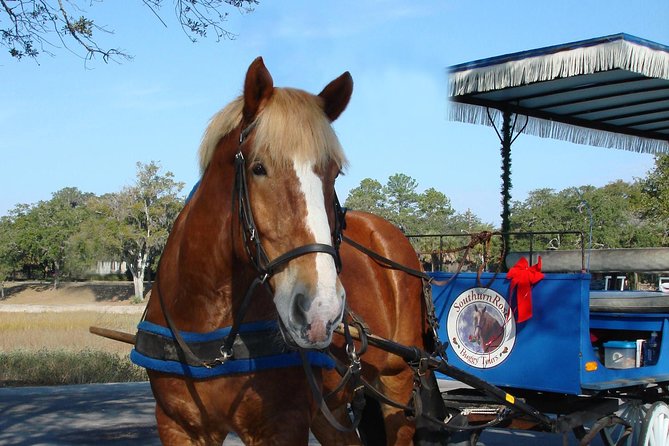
<point>252,243</point>
<point>265,267</point>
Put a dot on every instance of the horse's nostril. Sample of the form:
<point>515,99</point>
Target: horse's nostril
<point>303,302</point>
<point>301,305</point>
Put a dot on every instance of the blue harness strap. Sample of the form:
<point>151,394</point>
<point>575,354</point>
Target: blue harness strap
<point>249,362</point>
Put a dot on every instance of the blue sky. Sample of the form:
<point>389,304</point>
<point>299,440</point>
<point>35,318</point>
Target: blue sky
<point>64,123</point>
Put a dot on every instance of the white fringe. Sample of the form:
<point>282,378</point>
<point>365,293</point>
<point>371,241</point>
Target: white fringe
<point>474,114</point>
<point>619,54</point>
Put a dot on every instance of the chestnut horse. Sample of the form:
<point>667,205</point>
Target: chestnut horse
<point>258,241</point>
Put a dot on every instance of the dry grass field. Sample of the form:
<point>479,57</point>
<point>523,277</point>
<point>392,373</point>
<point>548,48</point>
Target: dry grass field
<point>38,321</point>
<point>43,318</point>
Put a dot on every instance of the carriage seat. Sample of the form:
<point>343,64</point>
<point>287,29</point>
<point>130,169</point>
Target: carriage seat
<point>629,302</point>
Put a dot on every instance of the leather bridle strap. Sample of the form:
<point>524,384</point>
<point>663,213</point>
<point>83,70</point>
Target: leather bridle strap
<point>260,260</point>
<point>272,266</point>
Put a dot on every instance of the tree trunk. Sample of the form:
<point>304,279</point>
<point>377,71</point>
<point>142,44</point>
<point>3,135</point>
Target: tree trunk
<point>138,276</point>
<point>56,275</point>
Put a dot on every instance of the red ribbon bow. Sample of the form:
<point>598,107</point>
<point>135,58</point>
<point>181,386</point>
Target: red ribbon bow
<point>522,277</point>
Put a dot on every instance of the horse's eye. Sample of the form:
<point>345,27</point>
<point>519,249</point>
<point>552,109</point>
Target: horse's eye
<point>259,169</point>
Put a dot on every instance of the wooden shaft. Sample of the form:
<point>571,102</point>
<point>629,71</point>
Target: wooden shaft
<point>113,334</point>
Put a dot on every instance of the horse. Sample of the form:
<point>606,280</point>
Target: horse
<point>488,332</point>
<point>252,263</point>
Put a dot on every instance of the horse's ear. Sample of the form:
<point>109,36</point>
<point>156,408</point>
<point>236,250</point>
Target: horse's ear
<point>336,95</point>
<point>258,88</point>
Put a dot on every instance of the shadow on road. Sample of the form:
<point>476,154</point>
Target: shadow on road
<point>100,414</point>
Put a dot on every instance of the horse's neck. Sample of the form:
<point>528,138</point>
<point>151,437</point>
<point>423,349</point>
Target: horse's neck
<point>203,277</point>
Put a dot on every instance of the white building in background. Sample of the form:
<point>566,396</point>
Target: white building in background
<point>106,267</point>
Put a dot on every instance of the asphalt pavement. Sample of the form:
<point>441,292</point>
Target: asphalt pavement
<point>100,414</point>
<point>123,414</point>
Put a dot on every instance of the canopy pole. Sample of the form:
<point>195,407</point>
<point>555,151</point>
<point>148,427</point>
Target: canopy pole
<point>506,139</point>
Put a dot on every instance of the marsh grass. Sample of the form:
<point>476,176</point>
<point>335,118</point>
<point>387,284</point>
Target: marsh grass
<point>59,367</point>
<point>56,348</point>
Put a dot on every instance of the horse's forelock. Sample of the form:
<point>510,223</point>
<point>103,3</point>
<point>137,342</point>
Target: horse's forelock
<point>292,125</point>
<point>220,125</point>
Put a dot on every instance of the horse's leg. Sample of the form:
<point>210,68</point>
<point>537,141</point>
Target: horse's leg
<point>285,427</point>
<point>173,433</point>
<point>399,429</point>
<point>328,435</point>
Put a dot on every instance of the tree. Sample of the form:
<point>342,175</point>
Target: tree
<point>59,219</point>
<point>402,201</point>
<point>367,197</point>
<point>610,214</point>
<point>433,212</point>
<point>135,222</point>
<point>424,216</point>
<point>20,248</point>
<point>655,198</point>
<point>6,257</point>
<point>37,237</point>
<point>34,26</point>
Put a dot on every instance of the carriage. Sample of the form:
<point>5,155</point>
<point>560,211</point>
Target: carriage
<point>248,291</point>
<point>589,357</point>
<point>594,359</point>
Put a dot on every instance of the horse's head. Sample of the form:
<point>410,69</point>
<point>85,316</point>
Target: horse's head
<point>478,322</point>
<point>287,162</point>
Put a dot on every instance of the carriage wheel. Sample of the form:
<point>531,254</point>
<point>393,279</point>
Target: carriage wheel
<point>632,411</point>
<point>655,429</point>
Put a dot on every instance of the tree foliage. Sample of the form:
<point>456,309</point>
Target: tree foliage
<point>136,222</point>
<point>67,235</point>
<point>37,237</point>
<point>31,27</point>
<point>428,214</point>
<point>655,198</point>
<point>608,216</point>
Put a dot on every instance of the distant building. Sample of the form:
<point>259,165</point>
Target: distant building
<point>107,267</point>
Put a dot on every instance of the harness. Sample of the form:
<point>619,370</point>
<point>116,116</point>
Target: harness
<point>247,347</point>
<point>253,350</point>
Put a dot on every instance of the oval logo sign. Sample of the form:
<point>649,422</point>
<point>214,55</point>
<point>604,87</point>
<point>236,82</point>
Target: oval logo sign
<point>481,327</point>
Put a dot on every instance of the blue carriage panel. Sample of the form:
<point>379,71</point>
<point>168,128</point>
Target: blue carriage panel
<point>544,353</point>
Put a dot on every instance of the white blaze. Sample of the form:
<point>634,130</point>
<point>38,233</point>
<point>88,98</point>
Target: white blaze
<point>327,302</point>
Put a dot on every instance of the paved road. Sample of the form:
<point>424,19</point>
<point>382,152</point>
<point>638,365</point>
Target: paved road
<point>101,414</point>
<point>122,414</point>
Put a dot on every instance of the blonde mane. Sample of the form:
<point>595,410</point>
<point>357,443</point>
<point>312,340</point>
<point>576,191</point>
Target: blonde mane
<point>291,125</point>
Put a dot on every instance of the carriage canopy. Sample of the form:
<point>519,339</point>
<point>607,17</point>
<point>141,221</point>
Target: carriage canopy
<point>610,91</point>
